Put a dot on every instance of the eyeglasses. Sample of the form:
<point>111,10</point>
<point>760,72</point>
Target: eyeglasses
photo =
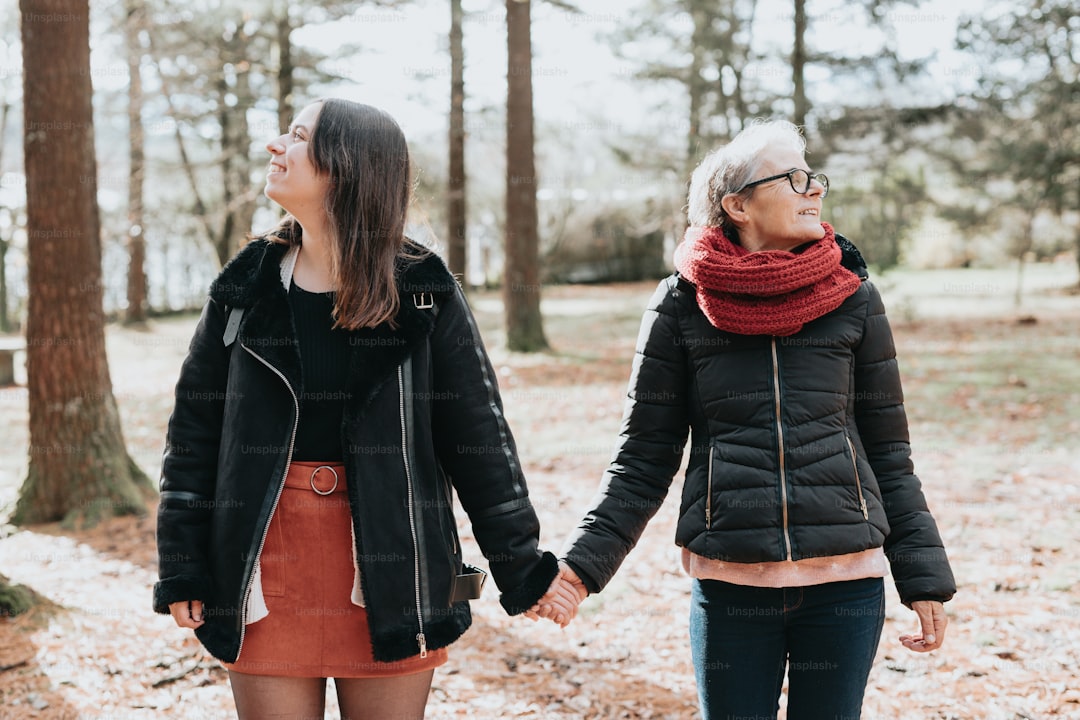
<point>797,178</point>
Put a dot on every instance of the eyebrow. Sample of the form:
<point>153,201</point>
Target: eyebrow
<point>294,127</point>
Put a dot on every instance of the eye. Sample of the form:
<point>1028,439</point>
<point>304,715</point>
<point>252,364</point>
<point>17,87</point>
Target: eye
<point>298,135</point>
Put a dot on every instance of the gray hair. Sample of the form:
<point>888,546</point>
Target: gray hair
<point>727,169</point>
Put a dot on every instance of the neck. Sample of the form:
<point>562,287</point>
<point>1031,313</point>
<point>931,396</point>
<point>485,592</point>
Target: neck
<point>756,244</point>
<point>313,269</point>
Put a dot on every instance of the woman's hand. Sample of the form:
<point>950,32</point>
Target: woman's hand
<point>561,601</point>
<point>932,618</point>
<point>187,613</point>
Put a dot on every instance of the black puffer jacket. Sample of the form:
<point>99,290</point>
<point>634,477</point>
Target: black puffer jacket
<point>798,445</point>
<point>422,414</point>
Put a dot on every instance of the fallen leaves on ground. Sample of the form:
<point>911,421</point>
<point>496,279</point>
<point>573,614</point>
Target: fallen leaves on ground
<point>992,443</point>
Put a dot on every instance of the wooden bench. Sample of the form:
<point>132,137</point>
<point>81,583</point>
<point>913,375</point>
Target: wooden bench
<point>9,345</point>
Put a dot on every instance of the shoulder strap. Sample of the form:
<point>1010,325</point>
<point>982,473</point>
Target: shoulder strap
<point>232,325</point>
<point>425,301</point>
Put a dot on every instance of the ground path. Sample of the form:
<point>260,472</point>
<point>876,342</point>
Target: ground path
<point>995,410</point>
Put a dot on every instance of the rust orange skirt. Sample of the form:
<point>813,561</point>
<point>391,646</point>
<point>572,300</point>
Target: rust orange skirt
<point>314,629</point>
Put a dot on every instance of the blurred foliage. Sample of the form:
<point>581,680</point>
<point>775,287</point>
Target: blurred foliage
<point>991,148</point>
<point>879,215</point>
<point>1016,137</point>
<point>606,243</point>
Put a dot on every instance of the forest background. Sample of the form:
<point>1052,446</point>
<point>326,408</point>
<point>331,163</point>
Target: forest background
<point>952,140</point>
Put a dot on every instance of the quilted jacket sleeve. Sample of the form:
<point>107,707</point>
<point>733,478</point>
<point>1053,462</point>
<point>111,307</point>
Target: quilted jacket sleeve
<point>914,547</point>
<point>648,453</point>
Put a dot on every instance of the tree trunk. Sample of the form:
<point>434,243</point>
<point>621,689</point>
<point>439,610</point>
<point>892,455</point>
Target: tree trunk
<point>521,284</point>
<point>79,469</point>
<point>1076,235</point>
<point>697,88</point>
<point>136,286</point>
<point>1078,258</point>
<point>455,196</point>
<point>238,197</point>
<point>5,318</point>
<point>15,599</point>
<point>798,65</point>
<point>285,71</point>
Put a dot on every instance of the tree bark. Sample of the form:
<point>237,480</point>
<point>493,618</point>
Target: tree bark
<point>455,197</point>
<point>285,80</point>
<point>696,87</point>
<point>521,284</point>
<point>5,317</point>
<point>234,99</point>
<point>798,65</point>
<point>136,286</point>
<point>79,469</point>
<point>237,194</point>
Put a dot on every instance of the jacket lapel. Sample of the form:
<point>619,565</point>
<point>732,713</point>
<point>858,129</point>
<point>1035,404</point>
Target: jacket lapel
<point>377,352</point>
<point>253,280</point>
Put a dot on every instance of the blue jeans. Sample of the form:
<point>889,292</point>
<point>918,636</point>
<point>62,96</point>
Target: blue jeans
<point>743,638</point>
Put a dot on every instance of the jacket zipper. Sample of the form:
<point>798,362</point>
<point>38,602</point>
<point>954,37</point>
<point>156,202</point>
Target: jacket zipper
<point>858,483</point>
<point>780,444</point>
<point>421,638</point>
<point>708,490</point>
<point>277,497</point>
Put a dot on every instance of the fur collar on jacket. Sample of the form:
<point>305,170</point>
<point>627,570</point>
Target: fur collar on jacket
<point>252,280</point>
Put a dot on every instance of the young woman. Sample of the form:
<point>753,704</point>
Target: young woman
<point>335,390</point>
<point>771,348</point>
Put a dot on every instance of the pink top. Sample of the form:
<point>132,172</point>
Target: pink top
<point>789,573</point>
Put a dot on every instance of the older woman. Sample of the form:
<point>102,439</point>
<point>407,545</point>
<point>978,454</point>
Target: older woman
<point>771,347</point>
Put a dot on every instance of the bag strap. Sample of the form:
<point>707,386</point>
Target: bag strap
<point>423,301</point>
<point>232,325</point>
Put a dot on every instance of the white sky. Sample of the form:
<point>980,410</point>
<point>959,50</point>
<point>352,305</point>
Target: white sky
<point>576,76</point>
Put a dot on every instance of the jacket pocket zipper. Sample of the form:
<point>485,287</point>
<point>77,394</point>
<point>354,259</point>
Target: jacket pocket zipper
<point>277,497</point>
<point>858,483</point>
<point>421,637</point>
<point>708,489</point>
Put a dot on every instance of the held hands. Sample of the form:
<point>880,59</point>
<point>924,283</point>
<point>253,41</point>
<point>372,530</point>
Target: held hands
<point>933,621</point>
<point>187,613</point>
<point>561,601</point>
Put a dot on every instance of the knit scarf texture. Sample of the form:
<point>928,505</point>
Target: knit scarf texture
<point>769,292</point>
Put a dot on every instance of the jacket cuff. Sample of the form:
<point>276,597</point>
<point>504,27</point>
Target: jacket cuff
<point>179,589</point>
<point>936,598</point>
<point>587,580</point>
<point>533,588</point>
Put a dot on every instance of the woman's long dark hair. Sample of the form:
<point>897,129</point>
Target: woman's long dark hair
<point>363,153</point>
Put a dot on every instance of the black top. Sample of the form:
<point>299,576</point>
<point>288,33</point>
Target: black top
<point>324,357</point>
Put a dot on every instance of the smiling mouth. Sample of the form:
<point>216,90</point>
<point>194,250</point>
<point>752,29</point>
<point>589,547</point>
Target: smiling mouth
<point>811,212</point>
<point>275,169</point>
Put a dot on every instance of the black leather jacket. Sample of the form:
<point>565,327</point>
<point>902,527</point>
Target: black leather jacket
<point>798,445</point>
<point>423,415</point>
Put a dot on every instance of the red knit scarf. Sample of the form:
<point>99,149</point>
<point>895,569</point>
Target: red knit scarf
<point>770,292</point>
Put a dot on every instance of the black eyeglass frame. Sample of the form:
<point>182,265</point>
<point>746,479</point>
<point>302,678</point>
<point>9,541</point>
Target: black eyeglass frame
<point>822,179</point>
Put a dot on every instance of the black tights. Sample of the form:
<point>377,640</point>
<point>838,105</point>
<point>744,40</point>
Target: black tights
<point>393,698</point>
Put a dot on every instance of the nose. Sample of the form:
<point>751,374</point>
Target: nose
<point>816,188</point>
<point>276,146</point>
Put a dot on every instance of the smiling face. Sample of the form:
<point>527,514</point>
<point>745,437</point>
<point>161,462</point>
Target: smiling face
<point>775,217</point>
<point>291,179</point>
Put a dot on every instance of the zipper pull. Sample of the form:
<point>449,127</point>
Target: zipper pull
<point>708,518</point>
<point>862,505</point>
<point>421,639</point>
